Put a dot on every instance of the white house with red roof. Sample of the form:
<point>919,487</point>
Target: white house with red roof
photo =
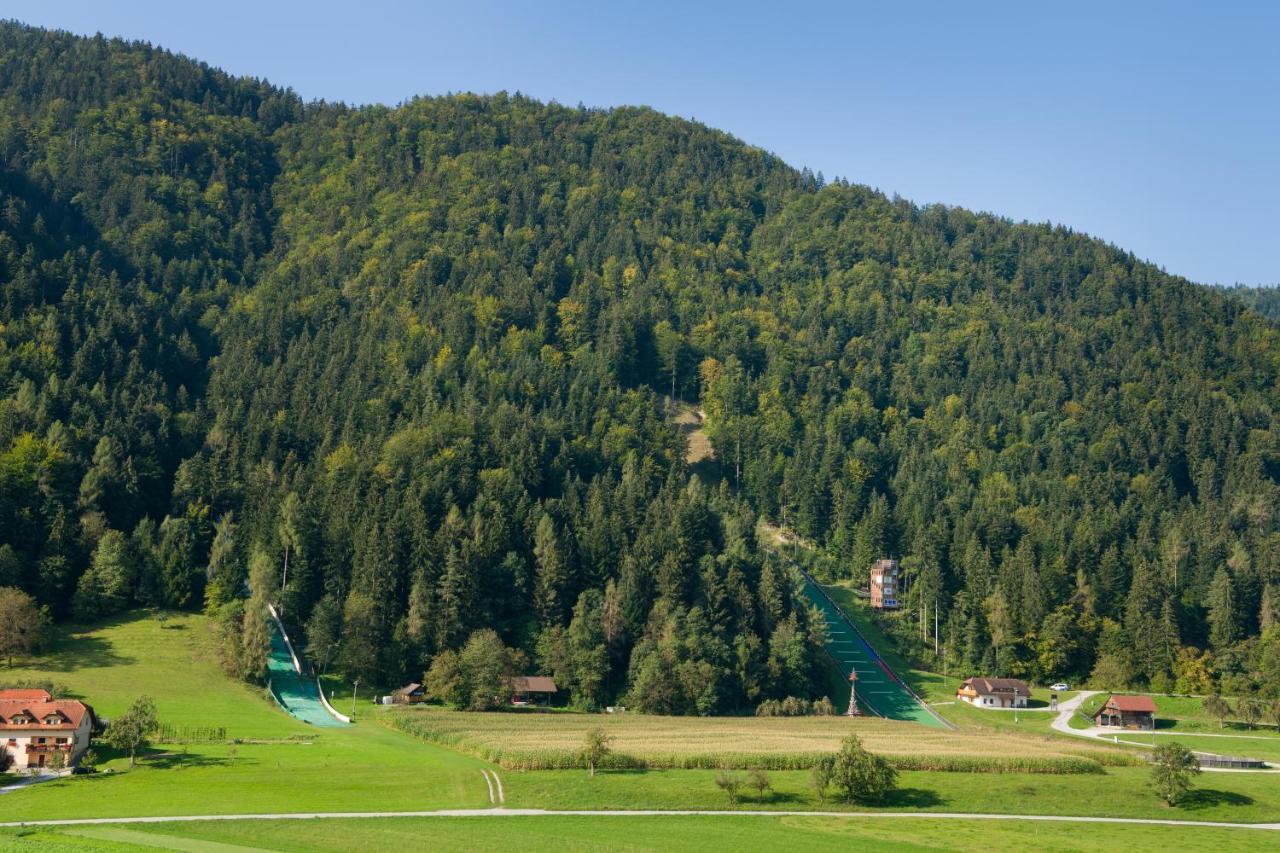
<point>34,727</point>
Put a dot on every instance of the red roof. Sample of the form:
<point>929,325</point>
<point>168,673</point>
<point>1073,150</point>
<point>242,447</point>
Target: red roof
<point>1132,703</point>
<point>69,712</point>
<point>32,695</point>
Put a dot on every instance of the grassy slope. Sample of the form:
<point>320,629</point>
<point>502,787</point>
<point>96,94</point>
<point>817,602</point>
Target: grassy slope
<point>1187,714</point>
<point>367,766</point>
<point>1194,728</point>
<point>674,834</point>
<point>112,664</point>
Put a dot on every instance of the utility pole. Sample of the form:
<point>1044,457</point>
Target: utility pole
<point>355,688</point>
<point>935,626</point>
<point>284,582</point>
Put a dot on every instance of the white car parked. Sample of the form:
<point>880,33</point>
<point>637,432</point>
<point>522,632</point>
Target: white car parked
<point>1061,685</point>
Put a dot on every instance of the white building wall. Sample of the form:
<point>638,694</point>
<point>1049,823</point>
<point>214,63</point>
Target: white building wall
<point>21,739</point>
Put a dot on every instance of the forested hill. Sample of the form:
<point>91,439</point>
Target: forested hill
<point>420,354</point>
<point>1264,300</point>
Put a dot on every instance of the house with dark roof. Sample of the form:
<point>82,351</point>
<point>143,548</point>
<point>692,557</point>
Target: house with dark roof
<point>34,727</point>
<point>410,694</point>
<point>525,689</point>
<point>1127,712</point>
<point>994,692</point>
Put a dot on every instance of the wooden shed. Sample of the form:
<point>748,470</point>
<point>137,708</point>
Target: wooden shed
<point>410,694</point>
<point>527,689</point>
<point>1127,712</point>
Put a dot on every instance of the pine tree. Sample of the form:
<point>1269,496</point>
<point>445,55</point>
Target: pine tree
<point>1224,626</point>
<point>1269,611</point>
<point>553,571</point>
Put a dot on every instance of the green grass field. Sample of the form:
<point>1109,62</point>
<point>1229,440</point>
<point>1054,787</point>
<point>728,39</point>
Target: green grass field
<point>371,767</point>
<point>1121,792</point>
<point>111,664</point>
<point>1183,719</point>
<point>625,833</point>
<point>365,766</point>
<point>1265,748</point>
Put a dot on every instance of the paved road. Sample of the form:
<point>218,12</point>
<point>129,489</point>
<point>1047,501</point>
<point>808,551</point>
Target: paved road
<point>1062,724</point>
<point>27,782</point>
<point>504,812</point>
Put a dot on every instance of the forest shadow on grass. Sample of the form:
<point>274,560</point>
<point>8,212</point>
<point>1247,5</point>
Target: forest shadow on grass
<point>913,798</point>
<point>180,760</point>
<point>770,798</point>
<point>81,652</point>
<point>1204,798</point>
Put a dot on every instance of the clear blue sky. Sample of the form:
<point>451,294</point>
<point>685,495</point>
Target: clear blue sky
<point>1155,126</point>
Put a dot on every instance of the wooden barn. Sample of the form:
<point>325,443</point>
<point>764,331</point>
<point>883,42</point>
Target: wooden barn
<point>528,689</point>
<point>410,694</point>
<point>1127,712</point>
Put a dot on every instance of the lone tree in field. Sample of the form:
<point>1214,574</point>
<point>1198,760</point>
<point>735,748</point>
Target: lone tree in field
<point>595,748</point>
<point>759,780</point>
<point>132,730</point>
<point>1215,706</point>
<point>730,783</point>
<point>824,770</point>
<point>862,776</point>
<point>22,623</point>
<point>1250,711</point>
<point>1172,767</point>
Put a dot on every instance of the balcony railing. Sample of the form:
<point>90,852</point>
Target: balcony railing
<point>48,747</point>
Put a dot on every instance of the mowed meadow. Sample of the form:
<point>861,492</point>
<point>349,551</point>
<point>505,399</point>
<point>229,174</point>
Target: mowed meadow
<point>626,833</point>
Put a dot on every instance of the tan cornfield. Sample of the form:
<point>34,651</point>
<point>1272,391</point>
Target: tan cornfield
<point>535,740</point>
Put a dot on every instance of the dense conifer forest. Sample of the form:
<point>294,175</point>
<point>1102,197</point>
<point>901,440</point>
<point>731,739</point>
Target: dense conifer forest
<point>1264,300</point>
<point>418,358</point>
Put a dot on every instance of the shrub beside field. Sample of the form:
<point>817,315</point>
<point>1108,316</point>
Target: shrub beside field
<point>553,741</point>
